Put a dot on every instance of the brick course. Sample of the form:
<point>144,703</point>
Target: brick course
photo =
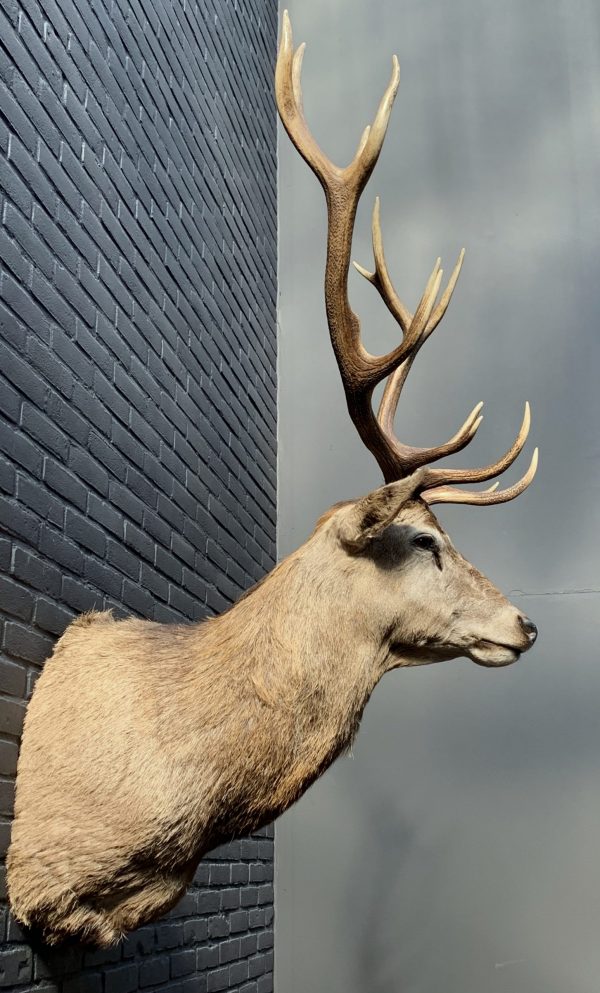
<point>137,390</point>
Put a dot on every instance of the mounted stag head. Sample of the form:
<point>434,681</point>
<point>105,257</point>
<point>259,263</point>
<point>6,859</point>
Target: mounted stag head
<point>145,745</point>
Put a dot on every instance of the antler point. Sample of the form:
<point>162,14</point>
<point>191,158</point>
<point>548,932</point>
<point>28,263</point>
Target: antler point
<point>370,276</point>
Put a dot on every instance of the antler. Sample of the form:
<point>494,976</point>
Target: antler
<point>360,371</point>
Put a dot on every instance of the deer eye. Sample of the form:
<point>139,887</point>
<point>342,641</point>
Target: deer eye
<point>427,542</point>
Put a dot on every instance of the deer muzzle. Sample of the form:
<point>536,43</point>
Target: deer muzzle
<point>492,653</point>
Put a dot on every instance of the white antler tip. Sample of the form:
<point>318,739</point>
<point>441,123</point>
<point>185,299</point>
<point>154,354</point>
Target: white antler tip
<point>362,143</point>
<point>298,57</point>
<point>393,85</point>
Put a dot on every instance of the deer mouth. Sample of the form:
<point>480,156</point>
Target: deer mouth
<point>493,654</point>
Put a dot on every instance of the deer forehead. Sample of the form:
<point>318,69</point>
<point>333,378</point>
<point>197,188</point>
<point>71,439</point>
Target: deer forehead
<point>418,514</point>
<point>415,512</point>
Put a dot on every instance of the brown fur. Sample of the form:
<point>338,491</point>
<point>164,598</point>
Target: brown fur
<point>145,745</point>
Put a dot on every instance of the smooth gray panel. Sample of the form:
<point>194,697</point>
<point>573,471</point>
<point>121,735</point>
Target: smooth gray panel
<point>457,850</point>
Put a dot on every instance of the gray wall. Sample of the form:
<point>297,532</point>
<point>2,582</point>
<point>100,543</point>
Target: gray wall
<point>457,849</point>
<point>137,390</point>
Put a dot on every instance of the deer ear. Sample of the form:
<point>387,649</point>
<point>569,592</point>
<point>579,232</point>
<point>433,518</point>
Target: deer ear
<point>368,517</point>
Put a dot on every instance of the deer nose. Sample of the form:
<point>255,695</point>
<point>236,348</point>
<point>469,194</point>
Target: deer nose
<point>529,628</point>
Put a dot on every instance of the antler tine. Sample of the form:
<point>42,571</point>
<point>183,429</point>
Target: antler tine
<point>441,477</point>
<point>381,280</point>
<point>442,306</point>
<point>360,371</point>
<point>363,141</point>
<point>373,136</point>
<point>288,90</point>
<point>451,494</point>
<point>410,457</point>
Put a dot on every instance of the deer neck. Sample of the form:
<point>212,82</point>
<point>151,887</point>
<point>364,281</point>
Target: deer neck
<point>310,662</point>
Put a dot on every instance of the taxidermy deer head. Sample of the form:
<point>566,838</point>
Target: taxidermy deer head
<point>145,745</point>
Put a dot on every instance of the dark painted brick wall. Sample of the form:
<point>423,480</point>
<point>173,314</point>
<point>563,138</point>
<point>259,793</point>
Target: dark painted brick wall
<point>137,388</point>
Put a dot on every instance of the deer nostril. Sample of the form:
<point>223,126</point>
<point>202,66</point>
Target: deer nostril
<point>529,628</point>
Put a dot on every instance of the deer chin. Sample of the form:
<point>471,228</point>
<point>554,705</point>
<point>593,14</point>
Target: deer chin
<point>493,654</point>
<point>411,655</point>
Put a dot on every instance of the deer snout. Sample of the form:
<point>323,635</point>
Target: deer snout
<point>529,628</point>
<point>510,634</point>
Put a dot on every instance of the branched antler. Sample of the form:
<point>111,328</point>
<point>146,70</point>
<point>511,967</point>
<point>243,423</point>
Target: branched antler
<point>408,457</point>
<point>360,371</point>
